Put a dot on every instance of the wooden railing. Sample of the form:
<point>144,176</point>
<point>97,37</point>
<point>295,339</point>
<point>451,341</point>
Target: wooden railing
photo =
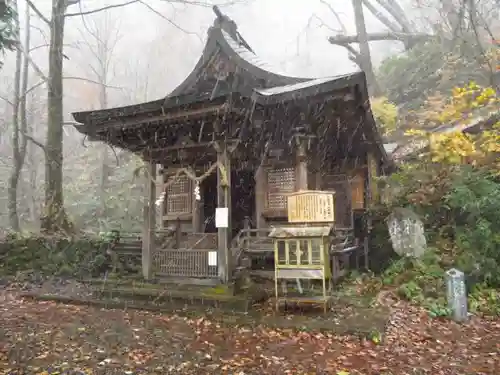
<point>193,263</point>
<point>250,241</point>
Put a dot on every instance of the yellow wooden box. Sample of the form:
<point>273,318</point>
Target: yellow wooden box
<point>311,206</point>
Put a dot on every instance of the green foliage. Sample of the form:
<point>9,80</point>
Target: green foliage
<point>460,208</point>
<point>385,114</point>
<point>484,300</point>
<point>53,256</point>
<point>7,28</point>
<point>474,203</point>
<point>416,279</point>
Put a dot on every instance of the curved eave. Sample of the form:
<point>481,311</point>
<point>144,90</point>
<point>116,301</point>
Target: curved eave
<point>306,89</point>
<point>87,116</point>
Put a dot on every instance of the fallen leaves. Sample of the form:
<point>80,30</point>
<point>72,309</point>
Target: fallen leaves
<point>46,338</point>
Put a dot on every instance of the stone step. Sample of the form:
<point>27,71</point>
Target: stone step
<point>220,297</point>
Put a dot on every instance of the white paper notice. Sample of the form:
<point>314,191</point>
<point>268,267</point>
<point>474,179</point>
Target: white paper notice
<point>221,217</point>
<point>212,258</point>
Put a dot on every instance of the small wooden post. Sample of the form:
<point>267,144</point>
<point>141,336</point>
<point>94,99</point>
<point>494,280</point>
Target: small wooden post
<point>148,237</point>
<point>301,164</point>
<point>178,233</point>
<point>224,200</point>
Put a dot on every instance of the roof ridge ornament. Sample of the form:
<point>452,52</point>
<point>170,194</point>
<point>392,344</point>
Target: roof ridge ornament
<point>226,24</point>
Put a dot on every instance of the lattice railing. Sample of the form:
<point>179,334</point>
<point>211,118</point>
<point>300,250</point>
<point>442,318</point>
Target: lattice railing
<point>186,263</point>
<point>179,197</point>
<point>280,182</point>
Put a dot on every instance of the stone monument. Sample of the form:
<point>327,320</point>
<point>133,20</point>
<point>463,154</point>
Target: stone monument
<point>457,295</point>
<point>407,233</point>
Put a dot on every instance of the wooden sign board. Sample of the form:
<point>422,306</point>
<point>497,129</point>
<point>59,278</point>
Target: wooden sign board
<point>310,206</point>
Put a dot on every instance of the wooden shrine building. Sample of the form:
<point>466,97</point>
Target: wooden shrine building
<point>239,134</point>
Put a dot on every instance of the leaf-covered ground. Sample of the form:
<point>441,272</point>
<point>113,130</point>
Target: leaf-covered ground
<point>50,338</point>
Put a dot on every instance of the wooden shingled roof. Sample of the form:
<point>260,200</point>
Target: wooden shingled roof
<point>225,45</point>
<point>229,66</point>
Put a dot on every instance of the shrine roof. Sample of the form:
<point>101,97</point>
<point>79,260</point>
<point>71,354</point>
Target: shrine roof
<point>258,80</point>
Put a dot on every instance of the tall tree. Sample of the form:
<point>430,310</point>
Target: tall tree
<point>392,16</point>
<point>55,218</point>
<point>365,59</point>
<point>19,119</point>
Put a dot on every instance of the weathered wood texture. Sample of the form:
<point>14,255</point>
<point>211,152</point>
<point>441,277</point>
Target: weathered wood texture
<point>148,239</point>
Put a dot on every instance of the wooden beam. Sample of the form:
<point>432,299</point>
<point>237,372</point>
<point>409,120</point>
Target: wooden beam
<point>178,115</point>
<point>174,147</point>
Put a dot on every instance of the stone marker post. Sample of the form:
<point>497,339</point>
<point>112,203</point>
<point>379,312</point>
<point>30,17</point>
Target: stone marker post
<point>457,295</point>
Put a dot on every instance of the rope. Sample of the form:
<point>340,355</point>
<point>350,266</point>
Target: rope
<point>197,179</point>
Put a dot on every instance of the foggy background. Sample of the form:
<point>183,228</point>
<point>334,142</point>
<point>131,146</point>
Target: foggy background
<point>149,51</point>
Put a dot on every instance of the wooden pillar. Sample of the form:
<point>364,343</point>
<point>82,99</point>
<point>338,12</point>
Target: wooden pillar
<point>224,200</point>
<point>301,164</point>
<point>197,207</point>
<point>148,237</point>
<point>372,174</point>
<point>260,196</point>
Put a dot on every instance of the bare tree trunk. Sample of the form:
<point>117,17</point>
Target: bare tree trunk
<point>105,167</point>
<point>364,47</point>
<point>16,148</point>
<point>55,218</point>
<point>32,165</point>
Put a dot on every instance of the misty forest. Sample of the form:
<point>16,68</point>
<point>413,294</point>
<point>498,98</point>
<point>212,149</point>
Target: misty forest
<point>250,187</point>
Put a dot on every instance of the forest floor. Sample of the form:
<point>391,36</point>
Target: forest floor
<point>48,338</point>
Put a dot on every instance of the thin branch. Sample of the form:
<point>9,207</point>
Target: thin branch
<point>337,16</point>
<point>168,20</point>
<point>403,37</point>
<point>397,13</point>
<point>42,33</point>
<point>48,45</point>
<point>92,81</point>
<point>6,100</point>
<point>34,141</point>
<point>324,24</point>
<point>38,84</point>
<point>32,63</point>
<point>23,95</point>
<point>101,9</point>
<point>381,17</point>
<point>38,13</point>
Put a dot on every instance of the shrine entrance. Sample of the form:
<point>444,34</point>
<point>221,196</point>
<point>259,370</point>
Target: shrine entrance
<point>209,196</point>
<point>242,201</point>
